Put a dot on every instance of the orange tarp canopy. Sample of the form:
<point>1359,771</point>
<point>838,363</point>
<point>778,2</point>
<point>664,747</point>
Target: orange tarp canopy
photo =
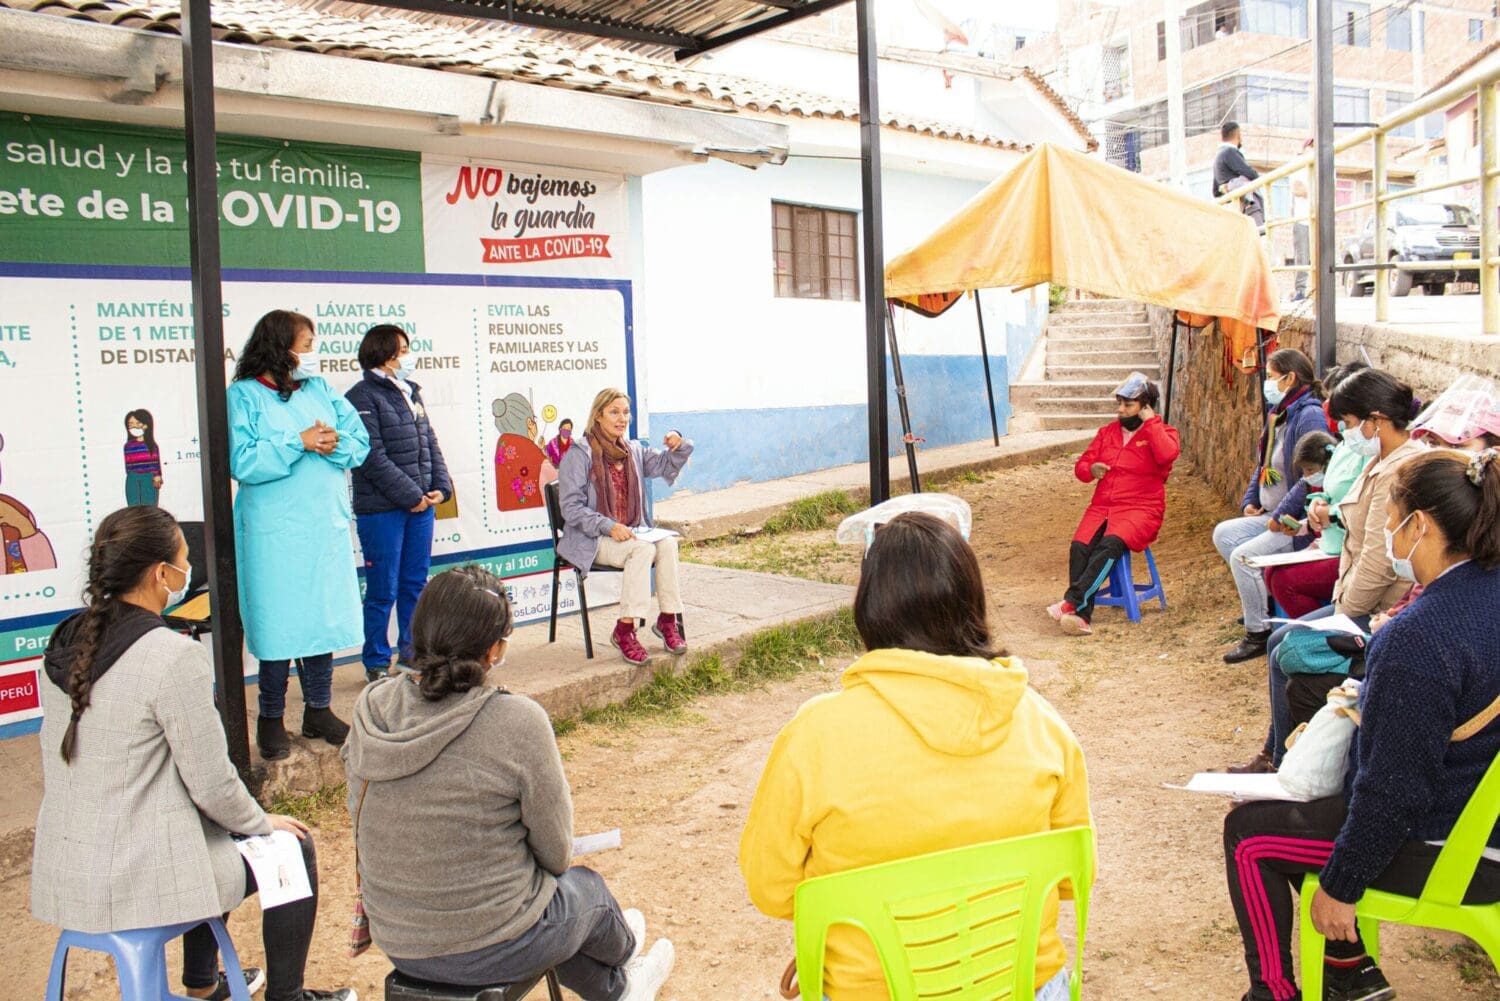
<point>1063,217</point>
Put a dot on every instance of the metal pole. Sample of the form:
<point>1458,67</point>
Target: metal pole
<point>906,434</point>
<point>1172,368</point>
<point>1382,251</point>
<point>1325,288</point>
<point>989,383</point>
<point>228,635</point>
<point>873,263</point>
<point>1489,204</point>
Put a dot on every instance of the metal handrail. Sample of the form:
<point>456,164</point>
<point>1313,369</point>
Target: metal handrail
<point>1483,81</point>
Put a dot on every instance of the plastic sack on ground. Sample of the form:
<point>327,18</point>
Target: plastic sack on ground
<point>1317,757</point>
<point>859,529</point>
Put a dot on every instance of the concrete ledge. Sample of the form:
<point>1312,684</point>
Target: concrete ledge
<point>745,508</point>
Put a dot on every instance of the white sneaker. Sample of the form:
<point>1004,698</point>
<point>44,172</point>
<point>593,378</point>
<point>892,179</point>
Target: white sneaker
<point>644,976</point>
<point>636,922</point>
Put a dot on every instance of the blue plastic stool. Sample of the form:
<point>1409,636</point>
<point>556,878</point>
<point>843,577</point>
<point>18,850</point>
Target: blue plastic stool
<point>1123,592</point>
<point>141,960</point>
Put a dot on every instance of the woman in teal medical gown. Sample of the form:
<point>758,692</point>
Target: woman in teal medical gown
<point>292,440</point>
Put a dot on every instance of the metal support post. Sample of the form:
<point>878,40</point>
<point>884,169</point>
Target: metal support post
<point>1382,282</point>
<point>989,383</point>
<point>1325,290</point>
<point>906,432</point>
<point>1172,368</point>
<point>1489,204</point>
<point>873,263</point>
<point>228,635</point>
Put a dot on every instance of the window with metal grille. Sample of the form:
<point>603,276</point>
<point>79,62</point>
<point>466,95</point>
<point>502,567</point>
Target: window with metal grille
<point>1116,71</point>
<point>1161,41</point>
<point>1351,23</point>
<point>815,256</point>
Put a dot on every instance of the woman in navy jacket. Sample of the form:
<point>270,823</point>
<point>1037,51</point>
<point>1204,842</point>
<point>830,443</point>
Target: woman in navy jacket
<point>395,490</point>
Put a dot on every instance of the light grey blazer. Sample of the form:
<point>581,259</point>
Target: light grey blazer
<point>580,501</point>
<point>134,832</point>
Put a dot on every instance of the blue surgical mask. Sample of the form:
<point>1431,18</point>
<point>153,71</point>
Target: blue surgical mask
<point>406,366</point>
<point>1315,480</point>
<point>1402,566</point>
<point>1359,444</point>
<point>1274,395</point>
<point>307,365</point>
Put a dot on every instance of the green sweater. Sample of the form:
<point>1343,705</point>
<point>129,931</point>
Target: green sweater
<point>1344,467</point>
<point>467,820</point>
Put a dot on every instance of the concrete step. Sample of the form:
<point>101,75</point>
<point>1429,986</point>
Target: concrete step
<point>1069,354</point>
<point>1115,374</point>
<point>1071,422</point>
<point>1138,334</point>
<point>1098,318</point>
<point>1103,406</point>
<point>1024,395</point>
<point>1096,306</point>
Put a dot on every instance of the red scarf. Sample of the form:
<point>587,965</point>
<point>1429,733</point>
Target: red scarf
<point>603,453</point>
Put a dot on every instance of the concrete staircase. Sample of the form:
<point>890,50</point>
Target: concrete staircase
<point>1088,349</point>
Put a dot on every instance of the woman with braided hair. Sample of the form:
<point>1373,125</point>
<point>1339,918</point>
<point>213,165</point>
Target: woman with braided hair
<point>140,800</point>
<point>1429,730</point>
<point>463,822</point>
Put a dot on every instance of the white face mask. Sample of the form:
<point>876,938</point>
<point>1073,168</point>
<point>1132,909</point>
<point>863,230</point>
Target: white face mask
<point>137,432</point>
<point>307,365</point>
<point>176,597</point>
<point>1360,445</point>
<point>1403,567</point>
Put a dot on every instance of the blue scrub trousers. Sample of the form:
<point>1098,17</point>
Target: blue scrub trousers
<point>398,554</point>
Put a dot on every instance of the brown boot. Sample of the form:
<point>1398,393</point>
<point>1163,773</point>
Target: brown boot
<point>1258,765</point>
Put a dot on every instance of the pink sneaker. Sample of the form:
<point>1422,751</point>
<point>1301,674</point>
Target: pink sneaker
<point>1060,609</point>
<point>624,640</point>
<point>1075,625</point>
<point>666,628</point>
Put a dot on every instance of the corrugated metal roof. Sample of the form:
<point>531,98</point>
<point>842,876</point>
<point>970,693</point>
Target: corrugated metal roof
<point>358,31</point>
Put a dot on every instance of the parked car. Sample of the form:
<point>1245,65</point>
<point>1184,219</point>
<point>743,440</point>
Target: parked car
<point>1417,231</point>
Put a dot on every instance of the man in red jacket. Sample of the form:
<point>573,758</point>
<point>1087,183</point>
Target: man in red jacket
<point>1131,459</point>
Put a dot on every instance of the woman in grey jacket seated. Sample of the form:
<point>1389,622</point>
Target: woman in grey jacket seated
<point>464,823</point>
<point>139,797</point>
<point>603,502</point>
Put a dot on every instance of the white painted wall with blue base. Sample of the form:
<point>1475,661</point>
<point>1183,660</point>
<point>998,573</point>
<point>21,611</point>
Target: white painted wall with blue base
<point>770,387</point>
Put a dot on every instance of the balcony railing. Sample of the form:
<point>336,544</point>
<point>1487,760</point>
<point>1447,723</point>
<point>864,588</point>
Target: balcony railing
<point>1485,83</point>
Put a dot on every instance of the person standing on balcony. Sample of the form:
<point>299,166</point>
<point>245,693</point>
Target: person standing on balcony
<point>1232,171</point>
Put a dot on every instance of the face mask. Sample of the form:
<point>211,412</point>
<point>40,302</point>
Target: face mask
<point>1274,395</point>
<point>1402,567</point>
<point>1360,445</point>
<point>137,432</point>
<point>176,597</point>
<point>1131,423</point>
<point>307,366</point>
<point>403,372</point>
<point>1315,480</point>
<point>566,434</point>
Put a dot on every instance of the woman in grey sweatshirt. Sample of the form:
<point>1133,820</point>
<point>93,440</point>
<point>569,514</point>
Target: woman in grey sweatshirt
<point>464,821</point>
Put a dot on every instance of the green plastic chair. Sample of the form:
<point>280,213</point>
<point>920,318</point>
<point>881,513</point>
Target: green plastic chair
<point>1441,903</point>
<point>961,925</point>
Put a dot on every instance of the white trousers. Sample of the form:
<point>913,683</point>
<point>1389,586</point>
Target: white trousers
<point>636,558</point>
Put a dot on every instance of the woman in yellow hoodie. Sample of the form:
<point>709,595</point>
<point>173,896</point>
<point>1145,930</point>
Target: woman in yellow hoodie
<point>934,742</point>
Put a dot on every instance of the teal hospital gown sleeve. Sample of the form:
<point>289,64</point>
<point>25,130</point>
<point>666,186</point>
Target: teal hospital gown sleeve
<point>258,453</point>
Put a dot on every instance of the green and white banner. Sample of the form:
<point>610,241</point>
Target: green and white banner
<point>511,280</point>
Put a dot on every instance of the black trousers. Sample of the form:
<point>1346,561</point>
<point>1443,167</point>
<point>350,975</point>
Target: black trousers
<point>1269,845</point>
<point>286,933</point>
<point>1089,565</point>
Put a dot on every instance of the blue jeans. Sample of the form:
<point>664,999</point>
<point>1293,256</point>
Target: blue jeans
<point>398,554</point>
<point>1241,537</point>
<point>315,675</point>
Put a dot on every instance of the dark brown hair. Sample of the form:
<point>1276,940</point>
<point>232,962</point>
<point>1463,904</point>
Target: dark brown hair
<point>1312,452</point>
<point>380,344</point>
<point>127,544</point>
<point>461,614</point>
<point>920,589</point>
<point>1373,391</point>
<point>269,349</point>
<point>1298,364</point>
<point>1442,484</point>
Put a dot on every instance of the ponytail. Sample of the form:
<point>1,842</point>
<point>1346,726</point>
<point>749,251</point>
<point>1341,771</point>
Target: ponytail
<point>461,614</point>
<point>1460,492</point>
<point>1483,540</point>
<point>127,544</point>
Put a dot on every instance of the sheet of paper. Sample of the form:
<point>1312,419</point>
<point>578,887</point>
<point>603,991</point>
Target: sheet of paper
<point>1311,554</point>
<point>589,843</point>
<point>1327,624</point>
<point>653,534</point>
<point>276,861</point>
<point>1241,787</point>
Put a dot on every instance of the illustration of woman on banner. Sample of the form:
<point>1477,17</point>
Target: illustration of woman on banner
<point>518,454</point>
<point>142,460</point>
<point>557,447</point>
<point>24,548</point>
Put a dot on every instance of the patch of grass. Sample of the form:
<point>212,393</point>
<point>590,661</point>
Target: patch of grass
<point>1473,965</point>
<point>812,513</point>
<point>769,655</point>
<point>819,561</point>
<point>968,476</point>
<point>315,808</point>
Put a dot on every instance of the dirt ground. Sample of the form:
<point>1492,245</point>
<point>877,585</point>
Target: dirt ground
<point>1151,703</point>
